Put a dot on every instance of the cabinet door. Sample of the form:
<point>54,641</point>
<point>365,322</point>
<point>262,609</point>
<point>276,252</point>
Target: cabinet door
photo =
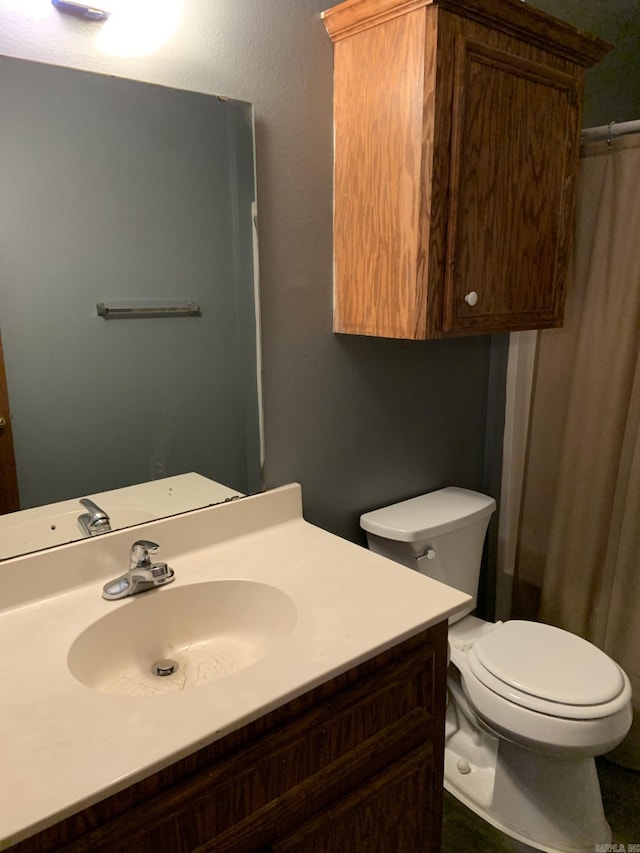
<point>398,810</point>
<point>512,187</point>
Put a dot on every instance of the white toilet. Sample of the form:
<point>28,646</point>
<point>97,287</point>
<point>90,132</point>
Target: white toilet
<point>529,705</point>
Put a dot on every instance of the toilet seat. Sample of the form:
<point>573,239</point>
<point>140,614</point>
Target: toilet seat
<point>548,670</point>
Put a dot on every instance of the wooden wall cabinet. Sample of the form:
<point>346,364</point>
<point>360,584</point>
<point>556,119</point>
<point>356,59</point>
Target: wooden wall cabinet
<point>355,764</point>
<point>457,127</point>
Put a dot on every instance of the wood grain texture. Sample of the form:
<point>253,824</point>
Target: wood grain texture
<point>351,17</point>
<point>402,791</point>
<point>382,179</point>
<point>258,785</point>
<point>513,165</point>
<point>510,16</point>
<point>439,80</point>
<point>475,194</point>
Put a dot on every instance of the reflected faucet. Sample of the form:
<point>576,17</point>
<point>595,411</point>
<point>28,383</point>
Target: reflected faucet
<point>143,574</point>
<point>95,520</point>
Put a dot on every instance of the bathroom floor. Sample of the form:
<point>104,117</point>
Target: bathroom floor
<point>463,830</point>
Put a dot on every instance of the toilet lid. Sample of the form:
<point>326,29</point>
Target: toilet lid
<point>545,663</point>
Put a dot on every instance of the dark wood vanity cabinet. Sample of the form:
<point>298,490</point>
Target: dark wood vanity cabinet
<point>353,765</point>
<point>457,128</point>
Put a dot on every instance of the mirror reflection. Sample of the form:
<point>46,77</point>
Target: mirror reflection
<point>125,194</point>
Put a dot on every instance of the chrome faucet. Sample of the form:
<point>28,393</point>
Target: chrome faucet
<point>94,521</point>
<point>143,574</point>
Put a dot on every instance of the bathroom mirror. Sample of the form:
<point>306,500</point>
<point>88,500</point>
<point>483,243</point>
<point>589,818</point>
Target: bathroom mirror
<point>139,197</point>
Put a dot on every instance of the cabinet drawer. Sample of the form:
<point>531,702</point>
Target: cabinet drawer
<point>401,794</point>
<point>394,705</point>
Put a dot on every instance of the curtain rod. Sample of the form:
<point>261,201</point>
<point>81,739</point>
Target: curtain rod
<point>608,131</point>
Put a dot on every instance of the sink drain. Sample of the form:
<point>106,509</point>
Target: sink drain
<point>164,667</point>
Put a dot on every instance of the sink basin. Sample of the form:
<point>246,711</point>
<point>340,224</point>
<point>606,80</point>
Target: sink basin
<point>206,630</point>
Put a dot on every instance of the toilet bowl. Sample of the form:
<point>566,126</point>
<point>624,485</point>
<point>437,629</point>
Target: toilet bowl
<point>529,706</point>
<point>524,759</point>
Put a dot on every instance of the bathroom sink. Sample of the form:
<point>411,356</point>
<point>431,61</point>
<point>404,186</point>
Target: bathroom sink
<point>168,640</point>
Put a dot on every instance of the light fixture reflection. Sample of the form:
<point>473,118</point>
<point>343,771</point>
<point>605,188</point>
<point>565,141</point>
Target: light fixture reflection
<point>139,27</point>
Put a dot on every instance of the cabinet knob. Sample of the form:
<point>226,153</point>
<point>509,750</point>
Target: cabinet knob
<point>3,422</point>
<point>471,298</point>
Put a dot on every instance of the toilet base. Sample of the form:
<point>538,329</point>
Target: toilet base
<point>548,802</point>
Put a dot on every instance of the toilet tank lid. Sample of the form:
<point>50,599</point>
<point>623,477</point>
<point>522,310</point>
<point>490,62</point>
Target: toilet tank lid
<point>428,515</point>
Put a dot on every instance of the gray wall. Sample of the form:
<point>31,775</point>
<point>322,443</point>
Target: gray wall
<point>358,422</point>
<point>612,87</point>
<point>119,189</point>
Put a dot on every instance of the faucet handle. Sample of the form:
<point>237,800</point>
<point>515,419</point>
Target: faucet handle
<point>96,515</point>
<point>95,520</point>
<point>140,553</point>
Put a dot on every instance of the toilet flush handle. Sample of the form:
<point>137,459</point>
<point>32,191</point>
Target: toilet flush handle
<point>428,554</point>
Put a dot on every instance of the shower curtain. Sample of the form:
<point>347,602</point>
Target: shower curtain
<point>580,524</point>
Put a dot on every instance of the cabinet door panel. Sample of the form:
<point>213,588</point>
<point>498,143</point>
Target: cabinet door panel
<point>385,816</point>
<point>513,161</point>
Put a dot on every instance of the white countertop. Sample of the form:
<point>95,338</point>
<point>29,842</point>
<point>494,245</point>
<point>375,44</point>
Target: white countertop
<point>54,524</point>
<point>64,745</point>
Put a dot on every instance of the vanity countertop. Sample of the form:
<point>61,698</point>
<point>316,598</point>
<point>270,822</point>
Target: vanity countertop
<point>64,745</point>
<point>57,524</point>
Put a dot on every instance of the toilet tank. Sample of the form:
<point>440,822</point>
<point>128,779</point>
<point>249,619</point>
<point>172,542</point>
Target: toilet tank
<point>440,534</point>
